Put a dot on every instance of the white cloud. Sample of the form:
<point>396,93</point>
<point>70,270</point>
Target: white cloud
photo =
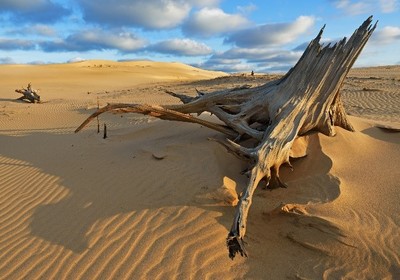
<point>33,10</point>
<point>123,41</point>
<point>16,44</point>
<point>147,14</point>
<point>243,60</point>
<point>208,22</point>
<point>388,6</point>
<point>36,29</point>
<point>358,7</point>
<point>204,3</point>
<point>271,34</point>
<point>226,65</point>
<point>96,39</point>
<point>42,29</point>
<point>249,54</point>
<point>6,60</point>
<point>386,35</point>
<point>353,8</point>
<point>260,55</point>
<point>247,9</point>
<point>181,47</point>
<point>20,4</point>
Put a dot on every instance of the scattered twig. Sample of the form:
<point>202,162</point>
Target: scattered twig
<point>105,131</point>
<point>98,122</point>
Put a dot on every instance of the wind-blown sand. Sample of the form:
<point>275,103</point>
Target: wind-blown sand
<point>153,200</point>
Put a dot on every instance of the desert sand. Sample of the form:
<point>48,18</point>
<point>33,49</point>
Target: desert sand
<point>154,199</point>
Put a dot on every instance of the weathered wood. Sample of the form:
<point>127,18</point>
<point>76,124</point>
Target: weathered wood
<point>274,115</point>
<point>158,112</point>
<point>29,94</point>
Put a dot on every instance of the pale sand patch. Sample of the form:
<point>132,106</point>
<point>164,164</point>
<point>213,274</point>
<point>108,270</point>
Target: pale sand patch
<point>149,201</point>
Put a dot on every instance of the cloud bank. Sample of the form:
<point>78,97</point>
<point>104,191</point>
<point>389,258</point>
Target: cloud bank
<point>36,11</point>
<point>219,34</point>
<point>386,35</point>
<point>180,47</point>
<point>243,59</point>
<point>358,7</point>
<point>16,44</point>
<point>210,22</point>
<point>95,39</point>
<point>271,34</point>
<point>145,14</point>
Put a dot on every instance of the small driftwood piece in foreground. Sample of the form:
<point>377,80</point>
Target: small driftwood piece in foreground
<point>274,115</point>
<point>29,94</point>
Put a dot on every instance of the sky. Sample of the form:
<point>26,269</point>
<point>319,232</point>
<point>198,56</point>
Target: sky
<point>225,35</point>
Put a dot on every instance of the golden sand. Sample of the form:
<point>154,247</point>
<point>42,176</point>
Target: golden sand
<point>154,200</point>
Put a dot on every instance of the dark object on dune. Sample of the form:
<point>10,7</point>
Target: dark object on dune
<point>29,94</point>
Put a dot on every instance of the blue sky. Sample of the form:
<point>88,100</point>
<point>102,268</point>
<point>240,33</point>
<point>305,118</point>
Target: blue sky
<point>227,35</point>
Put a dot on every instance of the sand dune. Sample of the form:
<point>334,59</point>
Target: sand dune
<point>150,201</point>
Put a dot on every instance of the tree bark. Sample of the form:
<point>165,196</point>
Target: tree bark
<point>306,99</point>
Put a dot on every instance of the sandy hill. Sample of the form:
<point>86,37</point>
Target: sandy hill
<point>73,79</point>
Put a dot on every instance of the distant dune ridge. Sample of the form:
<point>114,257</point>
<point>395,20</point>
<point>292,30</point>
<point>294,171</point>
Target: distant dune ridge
<point>154,200</point>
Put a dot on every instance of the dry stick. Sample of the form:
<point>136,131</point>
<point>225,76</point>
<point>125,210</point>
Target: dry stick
<point>158,112</point>
<point>98,122</point>
<point>105,131</point>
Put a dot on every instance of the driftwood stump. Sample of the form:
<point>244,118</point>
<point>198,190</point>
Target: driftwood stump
<point>274,115</point>
<point>29,94</point>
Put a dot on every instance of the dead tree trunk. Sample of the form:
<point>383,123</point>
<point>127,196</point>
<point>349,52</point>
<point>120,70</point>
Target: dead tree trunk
<point>306,99</point>
<point>29,94</point>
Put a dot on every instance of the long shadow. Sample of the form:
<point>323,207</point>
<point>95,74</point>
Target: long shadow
<point>109,177</point>
<point>383,134</point>
<point>103,178</point>
<point>287,240</point>
<point>14,100</point>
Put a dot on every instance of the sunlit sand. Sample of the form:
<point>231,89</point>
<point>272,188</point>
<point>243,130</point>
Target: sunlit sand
<point>155,199</point>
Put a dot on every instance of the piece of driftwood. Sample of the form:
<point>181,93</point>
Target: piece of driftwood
<point>29,94</point>
<point>274,115</point>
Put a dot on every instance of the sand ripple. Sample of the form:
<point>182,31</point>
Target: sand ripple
<point>142,203</point>
<point>82,223</point>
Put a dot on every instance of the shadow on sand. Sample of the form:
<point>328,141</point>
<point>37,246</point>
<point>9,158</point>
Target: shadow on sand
<point>119,175</point>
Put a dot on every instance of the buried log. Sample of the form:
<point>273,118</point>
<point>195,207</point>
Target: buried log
<point>29,94</point>
<point>306,99</point>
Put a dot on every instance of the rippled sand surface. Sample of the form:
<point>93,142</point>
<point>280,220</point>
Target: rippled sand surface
<point>150,201</point>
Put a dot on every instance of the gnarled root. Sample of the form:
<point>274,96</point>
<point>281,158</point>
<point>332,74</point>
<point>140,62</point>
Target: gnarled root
<point>235,246</point>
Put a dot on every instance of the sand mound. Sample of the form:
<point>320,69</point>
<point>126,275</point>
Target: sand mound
<point>152,201</point>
